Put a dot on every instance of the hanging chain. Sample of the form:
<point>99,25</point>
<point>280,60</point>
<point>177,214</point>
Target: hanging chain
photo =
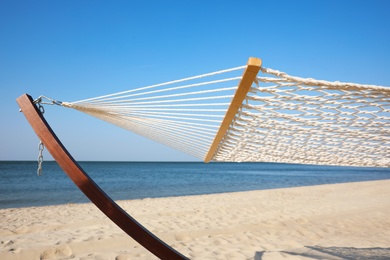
<point>41,147</point>
<point>39,101</point>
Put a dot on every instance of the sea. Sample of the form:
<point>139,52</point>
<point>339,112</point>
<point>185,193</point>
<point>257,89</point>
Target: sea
<point>21,187</point>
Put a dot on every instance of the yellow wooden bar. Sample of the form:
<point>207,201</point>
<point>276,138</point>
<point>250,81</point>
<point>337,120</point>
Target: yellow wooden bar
<point>249,75</point>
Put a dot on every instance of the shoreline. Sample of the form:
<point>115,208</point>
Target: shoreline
<point>176,196</point>
<point>21,188</point>
<point>262,224</point>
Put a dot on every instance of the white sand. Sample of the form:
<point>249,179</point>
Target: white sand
<point>326,221</point>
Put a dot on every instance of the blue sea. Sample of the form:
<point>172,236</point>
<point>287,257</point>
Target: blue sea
<point>21,187</point>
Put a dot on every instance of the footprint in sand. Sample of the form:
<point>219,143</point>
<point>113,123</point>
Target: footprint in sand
<point>57,252</point>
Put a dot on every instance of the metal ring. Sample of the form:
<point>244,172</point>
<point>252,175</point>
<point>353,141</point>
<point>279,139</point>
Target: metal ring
<point>41,108</point>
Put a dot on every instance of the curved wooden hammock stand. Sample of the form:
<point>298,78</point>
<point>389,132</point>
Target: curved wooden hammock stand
<point>112,210</point>
<point>89,187</point>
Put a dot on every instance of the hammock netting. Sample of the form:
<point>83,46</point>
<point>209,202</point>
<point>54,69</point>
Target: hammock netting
<point>282,118</point>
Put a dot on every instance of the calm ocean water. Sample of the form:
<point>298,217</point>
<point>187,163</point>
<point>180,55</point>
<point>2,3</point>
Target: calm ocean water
<point>21,187</point>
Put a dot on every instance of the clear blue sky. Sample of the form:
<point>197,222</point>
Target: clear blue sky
<point>69,50</point>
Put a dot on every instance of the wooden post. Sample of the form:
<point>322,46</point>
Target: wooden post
<point>89,187</point>
<point>249,75</point>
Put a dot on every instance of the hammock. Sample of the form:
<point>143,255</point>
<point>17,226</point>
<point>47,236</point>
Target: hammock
<point>237,116</point>
<point>220,116</point>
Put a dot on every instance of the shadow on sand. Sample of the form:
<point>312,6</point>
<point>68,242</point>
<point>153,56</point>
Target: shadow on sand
<point>348,253</point>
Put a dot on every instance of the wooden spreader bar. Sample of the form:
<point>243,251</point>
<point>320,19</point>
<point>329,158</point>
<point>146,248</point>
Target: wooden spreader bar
<point>249,75</point>
<point>89,187</point>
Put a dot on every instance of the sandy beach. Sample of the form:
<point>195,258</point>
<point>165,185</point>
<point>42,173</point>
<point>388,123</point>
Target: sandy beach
<point>317,222</point>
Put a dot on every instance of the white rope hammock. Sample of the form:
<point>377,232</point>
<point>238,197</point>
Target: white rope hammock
<point>281,118</point>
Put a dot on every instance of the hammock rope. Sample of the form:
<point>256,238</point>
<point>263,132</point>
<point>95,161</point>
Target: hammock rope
<point>283,118</point>
<point>142,89</point>
<point>296,120</point>
<point>184,114</point>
